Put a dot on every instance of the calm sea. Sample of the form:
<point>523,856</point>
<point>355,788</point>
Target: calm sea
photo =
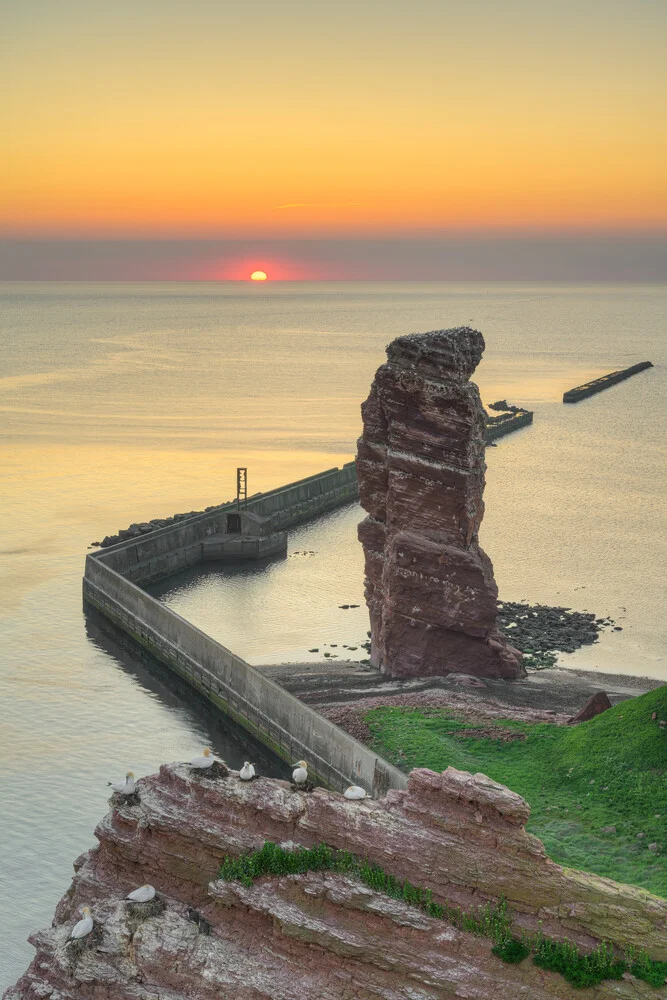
<point>125,402</point>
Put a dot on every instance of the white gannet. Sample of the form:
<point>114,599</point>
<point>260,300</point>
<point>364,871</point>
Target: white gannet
<point>124,787</point>
<point>204,762</point>
<point>83,928</point>
<point>247,772</point>
<point>355,792</point>
<point>143,894</point>
<point>300,775</point>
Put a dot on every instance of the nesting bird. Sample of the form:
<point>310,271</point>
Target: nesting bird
<point>83,927</point>
<point>203,762</point>
<point>300,772</point>
<point>126,787</point>
<point>355,792</point>
<point>143,894</point>
<point>247,772</point>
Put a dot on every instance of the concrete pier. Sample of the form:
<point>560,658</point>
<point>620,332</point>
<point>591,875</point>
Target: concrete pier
<point>499,426</point>
<point>163,551</point>
<point>598,384</point>
<point>282,722</point>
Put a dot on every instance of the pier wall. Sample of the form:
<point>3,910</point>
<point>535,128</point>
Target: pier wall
<point>286,725</point>
<point>165,551</point>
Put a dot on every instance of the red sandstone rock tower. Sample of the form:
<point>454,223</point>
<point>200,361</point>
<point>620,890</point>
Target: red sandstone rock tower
<point>420,462</point>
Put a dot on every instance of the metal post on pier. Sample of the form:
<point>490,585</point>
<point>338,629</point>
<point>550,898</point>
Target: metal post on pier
<point>241,487</point>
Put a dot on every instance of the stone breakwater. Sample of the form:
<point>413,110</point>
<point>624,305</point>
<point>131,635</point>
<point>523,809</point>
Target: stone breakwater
<point>286,505</point>
<point>539,628</point>
<point>320,935</point>
<point>420,464</point>
<point>137,529</point>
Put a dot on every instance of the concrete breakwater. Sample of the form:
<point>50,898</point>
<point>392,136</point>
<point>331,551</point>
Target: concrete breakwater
<point>152,555</point>
<point>505,423</point>
<point>598,384</point>
<point>288,727</point>
<point>310,502</point>
<point>286,505</point>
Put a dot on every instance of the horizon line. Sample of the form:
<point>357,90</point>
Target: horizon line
<point>423,236</point>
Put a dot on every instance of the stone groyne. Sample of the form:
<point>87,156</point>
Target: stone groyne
<point>112,584</point>
<point>598,384</point>
<point>318,933</point>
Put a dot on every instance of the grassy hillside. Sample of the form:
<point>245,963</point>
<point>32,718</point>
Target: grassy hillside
<point>609,772</point>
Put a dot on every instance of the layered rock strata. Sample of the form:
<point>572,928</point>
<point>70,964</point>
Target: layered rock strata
<point>323,936</point>
<point>429,586</point>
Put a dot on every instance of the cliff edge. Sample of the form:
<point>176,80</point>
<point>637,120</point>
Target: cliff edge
<point>323,935</point>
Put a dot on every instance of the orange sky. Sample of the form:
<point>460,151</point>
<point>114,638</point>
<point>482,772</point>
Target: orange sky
<point>332,118</point>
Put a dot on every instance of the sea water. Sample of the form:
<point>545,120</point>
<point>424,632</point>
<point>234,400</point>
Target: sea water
<point>123,402</point>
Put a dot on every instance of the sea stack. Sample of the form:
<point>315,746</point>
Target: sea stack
<point>429,586</point>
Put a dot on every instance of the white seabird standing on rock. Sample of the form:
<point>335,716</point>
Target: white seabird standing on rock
<point>355,792</point>
<point>126,787</point>
<point>300,774</point>
<point>247,772</point>
<point>204,762</point>
<point>143,894</point>
<point>83,928</point>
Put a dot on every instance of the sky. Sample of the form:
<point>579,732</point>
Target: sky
<point>340,124</point>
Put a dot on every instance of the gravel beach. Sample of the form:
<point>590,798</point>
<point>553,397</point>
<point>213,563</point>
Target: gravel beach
<point>344,691</point>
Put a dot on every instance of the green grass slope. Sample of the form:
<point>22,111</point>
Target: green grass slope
<point>609,772</point>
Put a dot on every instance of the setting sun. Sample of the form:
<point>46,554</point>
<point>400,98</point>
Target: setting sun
<point>258,276</point>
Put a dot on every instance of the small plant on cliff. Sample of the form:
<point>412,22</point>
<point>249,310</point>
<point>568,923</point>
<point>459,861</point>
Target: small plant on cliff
<point>652,972</point>
<point>580,970</point>
<point>511,950</point>
<point>490,921</point>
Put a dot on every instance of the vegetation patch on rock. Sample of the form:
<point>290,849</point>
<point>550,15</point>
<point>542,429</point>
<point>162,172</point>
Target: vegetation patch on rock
<point>597,791</point>
<point>490,921</point>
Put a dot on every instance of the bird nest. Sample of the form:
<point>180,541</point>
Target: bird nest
<point>119,799</point>
<point>215,772</point>
<point>77,946</point>
<point>306,786</point>
<point>138,912</point>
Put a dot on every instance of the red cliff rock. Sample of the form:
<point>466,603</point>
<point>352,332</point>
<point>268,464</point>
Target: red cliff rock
<point>420,463</point>
<point>320,935</point>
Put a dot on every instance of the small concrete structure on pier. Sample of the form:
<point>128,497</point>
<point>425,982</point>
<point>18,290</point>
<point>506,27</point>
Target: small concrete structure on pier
<point>245,536</point>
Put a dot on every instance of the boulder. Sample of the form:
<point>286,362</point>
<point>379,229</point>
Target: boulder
<point>597,703</point>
